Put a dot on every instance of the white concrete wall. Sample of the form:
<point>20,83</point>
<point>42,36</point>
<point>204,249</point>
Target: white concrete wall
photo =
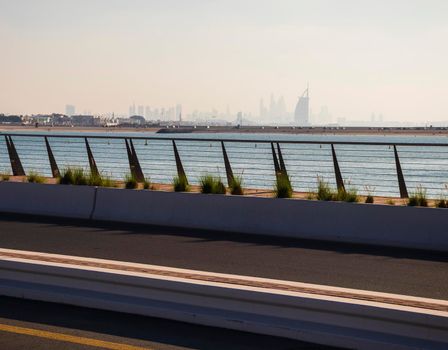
<point>412,227</point>
<point>41,199</point>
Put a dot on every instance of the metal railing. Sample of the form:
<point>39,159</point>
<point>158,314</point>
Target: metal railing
<point>384,168</point>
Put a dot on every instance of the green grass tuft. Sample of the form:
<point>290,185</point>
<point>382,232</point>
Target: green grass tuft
<point>80,177</point>
<point>180,184</point>
<point>35,177</point>
<point>350,195</point>
<point>369,199</point>
<point>324,191</point>
<point>418,198</point>
<point>212,184</point>
<point>130,182</point>
<point>282,187</point>
<point>99,180</point>
<point>74,176</point>
<point>236,186</point>
<point>390,202</point>
<point>146,184</point>
<point>442,203</point>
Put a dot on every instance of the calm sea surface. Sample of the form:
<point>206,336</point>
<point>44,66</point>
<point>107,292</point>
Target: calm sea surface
<point>366,167</point>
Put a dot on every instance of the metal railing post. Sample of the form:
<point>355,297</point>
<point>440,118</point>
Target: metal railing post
<point>138,173</point>
<point>337,171</point>
<point>282,163</point>
<point>16,164</point>
<point>92,163</point>
<point>54,166</point>
<point>401,182</point>
<point>229,171</point>
<point>274,156</point>
<point>180,169</point>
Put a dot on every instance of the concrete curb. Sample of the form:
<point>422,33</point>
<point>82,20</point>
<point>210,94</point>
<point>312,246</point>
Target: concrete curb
<point>313,318</point>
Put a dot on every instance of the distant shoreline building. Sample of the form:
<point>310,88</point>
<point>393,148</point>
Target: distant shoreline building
<point>302,111</point>
<point>70,110</point>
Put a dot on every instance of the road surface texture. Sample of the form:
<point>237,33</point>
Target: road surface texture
<point>26,324</point>
<point>391,270</point>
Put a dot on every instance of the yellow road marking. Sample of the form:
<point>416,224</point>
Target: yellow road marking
<point>68,338</point>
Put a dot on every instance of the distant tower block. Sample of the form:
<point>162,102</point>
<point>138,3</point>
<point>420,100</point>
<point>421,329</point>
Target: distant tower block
<point>70,110</point>
<point>179,112</point>
<point>302,112</point>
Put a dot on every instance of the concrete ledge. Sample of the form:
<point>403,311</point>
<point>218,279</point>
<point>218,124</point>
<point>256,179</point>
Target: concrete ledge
<point>409,227</point>
<point>42,199</point>
<point>319,319</point>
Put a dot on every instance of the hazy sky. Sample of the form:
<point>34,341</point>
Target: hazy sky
<point>359,56</point>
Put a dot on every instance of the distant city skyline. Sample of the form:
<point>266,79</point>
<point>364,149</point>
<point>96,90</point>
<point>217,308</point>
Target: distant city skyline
<point>360,58</point>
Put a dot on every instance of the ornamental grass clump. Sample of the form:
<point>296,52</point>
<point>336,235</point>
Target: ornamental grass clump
<point>180,184</point>
<point>442,202</point>
<point>146,184</point>
<point>282,187</point>
<point>211,184</point>
<point>130,181</point>
<point>324,191</point>
<point>369,197</point>
<point>418,198</point>
<point>236,186</point>
<point>99,180</point>
<point>35,177</point>
<point>74,176</point>
<point>350,195</point>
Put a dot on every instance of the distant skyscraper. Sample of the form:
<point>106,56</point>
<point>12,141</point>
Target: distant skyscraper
<point>70,110</point>
<point>147,112</point>
<point>272,108</point>
<point>179,112</point>
<point>302,112</point>
<point>141,111</point>
<point>263,111</point>
<point>132,110</point>
<point>239,118</point>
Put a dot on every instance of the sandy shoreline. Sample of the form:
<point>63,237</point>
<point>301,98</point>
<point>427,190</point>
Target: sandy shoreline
<point>249,130</point>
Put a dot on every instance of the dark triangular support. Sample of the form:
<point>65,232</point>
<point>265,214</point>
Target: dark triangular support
<point>92,163</point>
<point>274,156</point>
<point>134,163</point>
<point>54,166</point>
<point>282,163</point>
<point>16,164</point>
<point>229,171</point>
<point>180,169</point>
<point>401,182</point>
<point>337,171</point>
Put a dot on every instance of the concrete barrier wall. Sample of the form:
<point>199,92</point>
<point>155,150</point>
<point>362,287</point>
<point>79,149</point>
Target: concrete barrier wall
<point>323,320</point>
<point>425,228</point>
<point>41,199</point>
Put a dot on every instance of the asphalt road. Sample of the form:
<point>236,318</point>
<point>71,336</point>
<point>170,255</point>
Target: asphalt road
<point>26,324</point>
<point>401,271</point>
